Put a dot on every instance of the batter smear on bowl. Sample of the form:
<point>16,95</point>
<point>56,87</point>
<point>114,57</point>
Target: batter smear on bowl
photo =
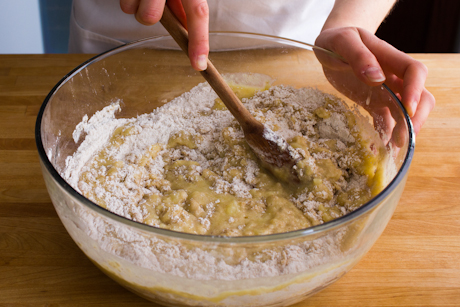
<point>186,166</point>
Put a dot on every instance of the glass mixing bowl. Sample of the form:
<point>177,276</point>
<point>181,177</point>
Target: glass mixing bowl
<point>180,269</point>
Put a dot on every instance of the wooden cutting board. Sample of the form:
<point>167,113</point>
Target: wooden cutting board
<point>416,262</point>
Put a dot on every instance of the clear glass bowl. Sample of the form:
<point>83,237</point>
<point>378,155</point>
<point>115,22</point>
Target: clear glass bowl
<point>179,269</point>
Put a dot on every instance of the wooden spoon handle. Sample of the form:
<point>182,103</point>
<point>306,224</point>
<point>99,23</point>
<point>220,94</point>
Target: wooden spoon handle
<point>231,101</point>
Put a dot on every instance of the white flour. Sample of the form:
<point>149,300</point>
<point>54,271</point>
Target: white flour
<point>157,128</point>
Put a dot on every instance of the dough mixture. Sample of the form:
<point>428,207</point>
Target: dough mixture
<point>186,166</point>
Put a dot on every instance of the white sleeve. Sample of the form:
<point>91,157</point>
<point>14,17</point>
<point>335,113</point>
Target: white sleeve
<point>98,25</point>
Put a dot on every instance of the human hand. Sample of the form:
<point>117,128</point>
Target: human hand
<point>374,62</point>
<point>193,14</point>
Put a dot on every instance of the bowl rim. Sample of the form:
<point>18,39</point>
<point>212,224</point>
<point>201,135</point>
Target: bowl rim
<point>313,230</point>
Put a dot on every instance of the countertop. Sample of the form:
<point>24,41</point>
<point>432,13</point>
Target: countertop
<point>416,262</point>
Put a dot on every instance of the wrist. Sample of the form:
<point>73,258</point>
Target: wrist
<point>364,14</point>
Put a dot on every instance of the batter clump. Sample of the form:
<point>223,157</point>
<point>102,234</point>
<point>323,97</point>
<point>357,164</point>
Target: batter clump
<point>186,166</point>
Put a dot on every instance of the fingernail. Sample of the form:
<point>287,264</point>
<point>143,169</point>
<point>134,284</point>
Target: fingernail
<point>202,62</point>
<point>412,108</point>
<point>374,74</point>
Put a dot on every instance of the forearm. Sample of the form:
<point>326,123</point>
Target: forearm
<point>366,14</point>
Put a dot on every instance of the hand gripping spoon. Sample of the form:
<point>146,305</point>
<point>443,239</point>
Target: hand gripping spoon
<point>273,151</point>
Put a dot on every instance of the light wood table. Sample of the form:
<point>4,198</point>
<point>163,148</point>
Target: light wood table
<point>416,262</point>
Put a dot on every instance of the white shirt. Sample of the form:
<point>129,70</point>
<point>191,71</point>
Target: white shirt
<point>99,25</point>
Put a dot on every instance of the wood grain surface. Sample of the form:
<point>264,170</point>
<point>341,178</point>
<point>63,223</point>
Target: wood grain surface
<point>416,262</point>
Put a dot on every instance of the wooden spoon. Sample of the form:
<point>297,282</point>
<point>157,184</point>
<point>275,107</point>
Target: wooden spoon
<point>273,151</point>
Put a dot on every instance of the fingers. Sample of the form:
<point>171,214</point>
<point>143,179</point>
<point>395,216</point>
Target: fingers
<point>147,12</point>
<point>193,14</point>
<point>347,42</point>
<point>414,85</point>
<point>369,57</point>
<point>129,6</point>
<point>423,102</point>
<point>383,123</point>
<point>411,72</point>
<point>197,12</point>
<point>424,107</point>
